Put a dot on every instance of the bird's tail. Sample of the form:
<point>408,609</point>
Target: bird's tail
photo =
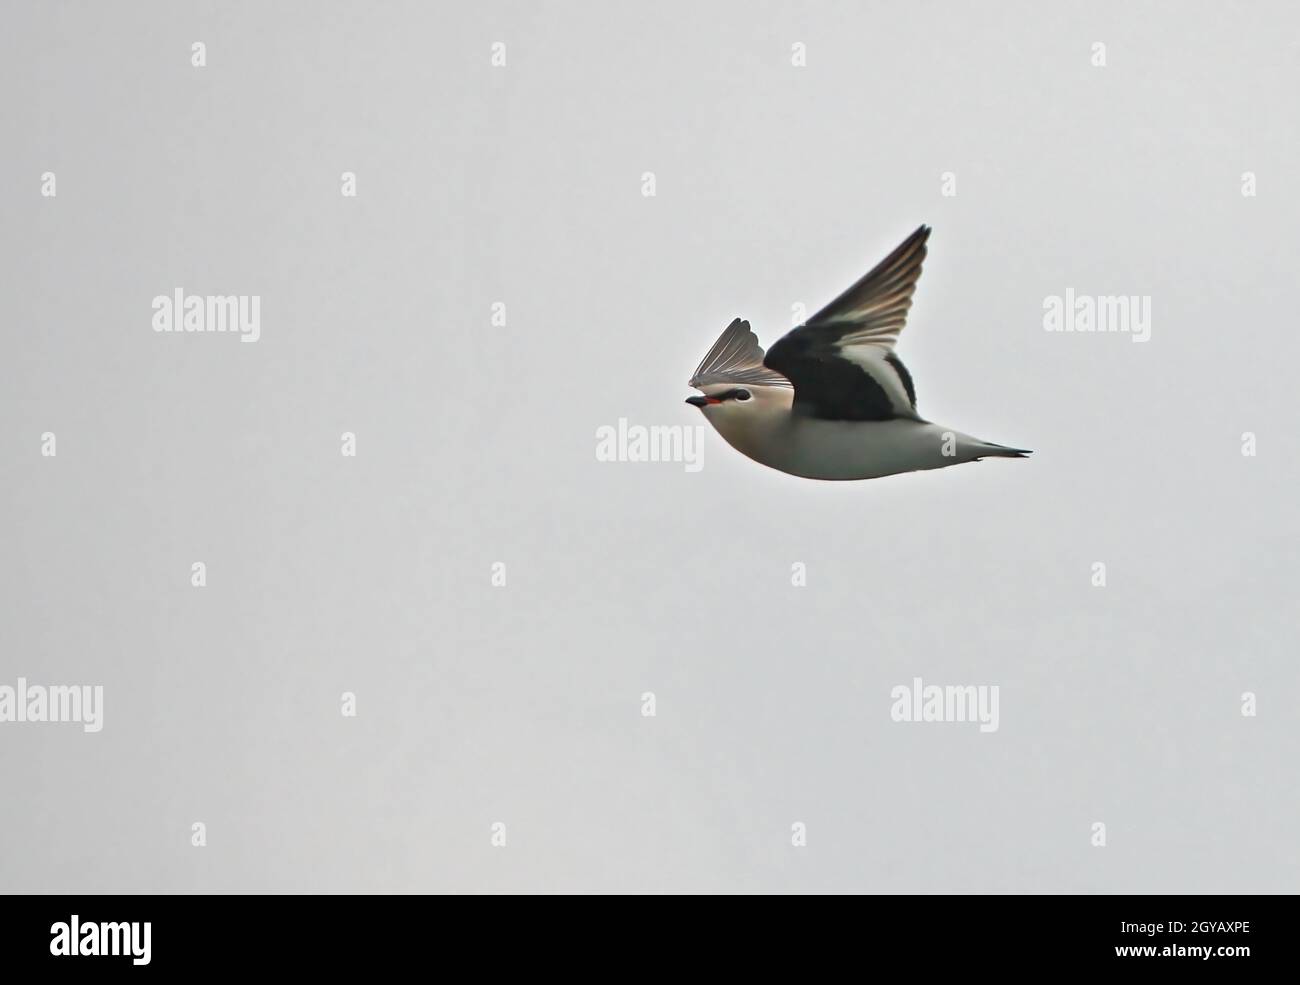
<point>987,449</point>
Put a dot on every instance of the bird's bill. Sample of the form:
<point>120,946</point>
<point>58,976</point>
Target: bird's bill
<point>702,401</point>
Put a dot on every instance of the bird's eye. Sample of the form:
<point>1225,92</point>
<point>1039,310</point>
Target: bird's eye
<point>741,395</point>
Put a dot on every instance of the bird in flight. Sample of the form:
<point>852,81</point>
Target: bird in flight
<point>831,400</point>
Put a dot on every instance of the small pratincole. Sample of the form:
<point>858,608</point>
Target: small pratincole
<point>831,400</point>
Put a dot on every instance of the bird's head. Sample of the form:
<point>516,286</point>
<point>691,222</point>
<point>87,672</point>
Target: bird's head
<point>738,392</point>
<point>731,403</point>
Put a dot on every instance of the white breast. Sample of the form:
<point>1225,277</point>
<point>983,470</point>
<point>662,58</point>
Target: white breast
<point>818,449</point>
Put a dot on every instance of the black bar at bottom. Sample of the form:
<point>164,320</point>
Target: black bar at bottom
<point>143,935</point>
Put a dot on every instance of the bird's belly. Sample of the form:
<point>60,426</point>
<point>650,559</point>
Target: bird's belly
<point>817,449</point>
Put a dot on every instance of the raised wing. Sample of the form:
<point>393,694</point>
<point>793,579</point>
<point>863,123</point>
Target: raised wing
<point>736,358</point>
<point>842,362</point>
